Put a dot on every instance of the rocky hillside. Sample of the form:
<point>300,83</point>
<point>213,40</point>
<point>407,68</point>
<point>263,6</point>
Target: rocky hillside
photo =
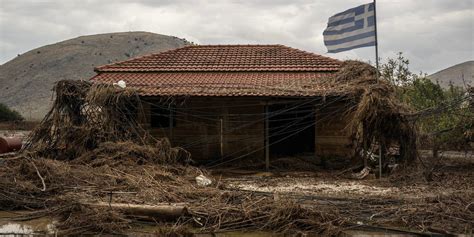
<point>26,81</point>
<point>460,75</point>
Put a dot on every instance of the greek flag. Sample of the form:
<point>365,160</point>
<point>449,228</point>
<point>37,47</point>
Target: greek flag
<point>354,28</point>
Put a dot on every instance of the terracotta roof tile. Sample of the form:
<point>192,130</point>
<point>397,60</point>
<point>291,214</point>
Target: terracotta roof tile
<point>227,58</point>
<point>225,70</point>
<point>223,83</point>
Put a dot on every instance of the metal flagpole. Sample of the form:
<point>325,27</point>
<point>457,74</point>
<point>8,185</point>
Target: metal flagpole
<point>376,41</point>
<point>377,77</point>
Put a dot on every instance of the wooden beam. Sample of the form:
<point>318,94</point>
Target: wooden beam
<point>162,210</point>
<point>267,139</point>
<point>171,122</point>
<point>221,134</point>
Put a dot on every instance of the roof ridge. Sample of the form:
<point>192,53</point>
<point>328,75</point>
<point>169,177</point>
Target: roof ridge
<point>97,69</point>
<point>235,45</point>
<point>314,54</point>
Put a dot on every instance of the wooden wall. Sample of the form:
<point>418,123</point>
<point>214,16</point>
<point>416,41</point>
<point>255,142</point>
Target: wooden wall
<point>332,136</point>
<point>198,128</point>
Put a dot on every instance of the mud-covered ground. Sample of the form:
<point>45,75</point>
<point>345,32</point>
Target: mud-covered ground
<point>454,175</point>
<point>410,199</point>
<point>413,200</point>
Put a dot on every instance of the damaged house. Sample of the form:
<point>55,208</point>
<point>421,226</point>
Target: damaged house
<point>225,102</point>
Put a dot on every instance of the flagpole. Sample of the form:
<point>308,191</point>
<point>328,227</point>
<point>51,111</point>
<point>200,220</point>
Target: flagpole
<point>377,77</point>
<point>376,41</point>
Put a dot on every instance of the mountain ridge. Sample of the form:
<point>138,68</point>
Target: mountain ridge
<point>461,74</point>
<point>26,81</point>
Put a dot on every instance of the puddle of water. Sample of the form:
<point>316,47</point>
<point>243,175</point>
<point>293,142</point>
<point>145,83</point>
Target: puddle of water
<point>29,228</point>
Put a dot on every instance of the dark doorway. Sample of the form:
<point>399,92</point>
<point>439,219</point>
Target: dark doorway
<point>291,129</point>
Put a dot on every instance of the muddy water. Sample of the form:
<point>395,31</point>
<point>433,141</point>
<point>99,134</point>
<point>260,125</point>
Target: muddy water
<point>38,226</point>
<point>45,226</point>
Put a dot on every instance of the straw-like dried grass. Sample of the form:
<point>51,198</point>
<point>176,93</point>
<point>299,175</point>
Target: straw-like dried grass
<point>378,116</point>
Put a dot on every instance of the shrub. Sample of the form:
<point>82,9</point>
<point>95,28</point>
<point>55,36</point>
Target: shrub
<point>7,114</point>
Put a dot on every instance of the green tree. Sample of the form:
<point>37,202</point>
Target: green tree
<point>396,70</point>
<point>441,116</point>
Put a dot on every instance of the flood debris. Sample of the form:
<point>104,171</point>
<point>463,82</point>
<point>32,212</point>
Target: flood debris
<point>202,180</point>
<point>378,119</point>
<point>90,145</point>
<point>85,117</point>
<point>93,167</point>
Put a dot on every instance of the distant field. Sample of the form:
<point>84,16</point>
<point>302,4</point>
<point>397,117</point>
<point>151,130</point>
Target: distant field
<point>23,125</point>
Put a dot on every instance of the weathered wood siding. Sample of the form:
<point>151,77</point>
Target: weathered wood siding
<point>332,136</point>
<point>198,127</point>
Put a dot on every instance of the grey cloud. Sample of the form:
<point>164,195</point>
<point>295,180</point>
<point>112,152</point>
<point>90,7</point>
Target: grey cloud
<point>433,33</point>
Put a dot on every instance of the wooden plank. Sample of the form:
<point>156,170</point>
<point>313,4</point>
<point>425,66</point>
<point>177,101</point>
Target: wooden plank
<point>162,210</point>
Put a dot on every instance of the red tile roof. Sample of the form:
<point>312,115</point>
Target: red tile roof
<point>227,58</point>
<point>225,70</point>
<point>224,84</point>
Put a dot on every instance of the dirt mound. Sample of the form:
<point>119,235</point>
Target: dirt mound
<point>26,81</point>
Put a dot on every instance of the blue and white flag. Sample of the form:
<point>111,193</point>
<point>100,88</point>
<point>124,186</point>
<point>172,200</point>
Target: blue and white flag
<point>354,28</point>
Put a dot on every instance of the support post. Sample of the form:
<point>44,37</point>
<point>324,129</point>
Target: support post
<point>221,133</point>
<point>380,160</point>
<point>315,132</point>
<point>267,140</point>
<point>171,123</point>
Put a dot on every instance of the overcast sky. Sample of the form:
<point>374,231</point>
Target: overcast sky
<point>433,34</point>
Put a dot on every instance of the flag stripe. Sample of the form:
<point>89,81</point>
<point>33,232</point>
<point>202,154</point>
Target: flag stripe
<point>349,39</point>
<point>352,43</point>
<point>342,21</point>
<point>350,33</point>
<point>342,27</point>
<point>357,26</point>
<point>338,18</point>
<point>352,47</point>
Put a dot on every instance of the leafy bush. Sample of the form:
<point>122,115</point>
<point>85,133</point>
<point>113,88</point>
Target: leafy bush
<point>7,114</point>
<point>443,117</point>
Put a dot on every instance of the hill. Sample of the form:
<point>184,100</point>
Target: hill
<point>26,81</point>
<point>459,75</point>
